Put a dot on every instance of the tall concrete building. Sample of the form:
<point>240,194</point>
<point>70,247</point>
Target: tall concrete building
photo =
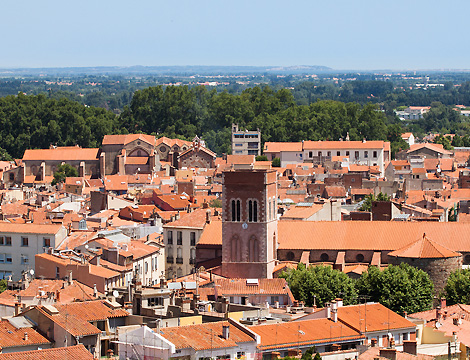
<point>249,228</point>
<point>245,142</point>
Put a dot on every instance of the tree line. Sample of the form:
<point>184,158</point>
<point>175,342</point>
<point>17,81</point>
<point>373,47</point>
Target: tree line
<point>401,288</point>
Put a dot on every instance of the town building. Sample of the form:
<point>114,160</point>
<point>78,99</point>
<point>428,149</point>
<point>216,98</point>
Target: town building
<point>19,243</point>
<point>245,142</point>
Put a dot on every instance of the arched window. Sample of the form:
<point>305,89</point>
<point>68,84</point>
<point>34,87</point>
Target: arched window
<point>233,210</point>
<point>235,254</point>
<point>238,210</point>
<point>324,257</point>
<point>269,215</point>
<point>253,248</point>
<point>359,258</point>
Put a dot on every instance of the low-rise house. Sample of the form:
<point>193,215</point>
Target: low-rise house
<point>274,292</point>
<point>19,243</point>
<point>17,334</point>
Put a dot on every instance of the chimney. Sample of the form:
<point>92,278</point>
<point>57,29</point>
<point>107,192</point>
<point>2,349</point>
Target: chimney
<point>388,353</point>
<point>335,315</point>
<point>95,290</point>
<point>17,308</point>
<point>444,315</point>
<point>225,331</point>
<point>208,216</point>
<point>438,313</point>
<point>339,302</point>
<point>98,260</point>
<point>25,337</point>
<point>162,283</point>
<point>328,311</point>
<point>410,347</point>
<point>70,278</point>
<point>405,314</point>
<point>443,303</point>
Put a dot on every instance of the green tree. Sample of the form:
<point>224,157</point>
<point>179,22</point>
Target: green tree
<point>215,203</point>
<point>320,282</point>
<point>400,288</point>
<point>457,290</point>
<point>4,155</point>
<point>261,158</point>
<point>370,198</point>
<point>276,162</point>
<point>3,285</point>
<point>64,171</point>
<point>444,141</point>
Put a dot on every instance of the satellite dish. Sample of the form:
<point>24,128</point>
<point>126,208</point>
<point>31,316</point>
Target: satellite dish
<point>31,272</point>
<point>86,246</point>
<point>115,293</point>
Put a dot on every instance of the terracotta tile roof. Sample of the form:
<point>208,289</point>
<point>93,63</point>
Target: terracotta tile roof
<point>171,142</point>
<point>203,149</point>
<point>116,183</point>
<point>74,325</point>
<point>240,159</point>
<point>303,333</point>
<point>68,292</point>
<point>335,191</point>
<point>10,336</point>
<point>230,287</point>
<point>195,219</point>
<point>16,208</point>
<point>126,139</point>
<point>434,147</point>
<point>275,147</point>
<point>212,234</point>
<point>379,318</point>
<point>177,202</point>
<point>361,191</point>
<point>205,336</point>
<point>406,135</point>
<point>400,163</point>
<point>29,228</point>
<point>76,239</point>
<point>333,145</point>
<point>424,248</point>
<point>301,212</point>
<point>457,309</point>
<point>65,153</point>
<point>373,353</point>
<point>358,235</point>
<point>136,160</point>
<point>91,310</point>
<point>8,297</point>
<point>70,352</point>
<point>418,170</point>
<point>74,180</point>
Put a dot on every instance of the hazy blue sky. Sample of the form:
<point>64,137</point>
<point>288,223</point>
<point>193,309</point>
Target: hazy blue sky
<point>361,34</point>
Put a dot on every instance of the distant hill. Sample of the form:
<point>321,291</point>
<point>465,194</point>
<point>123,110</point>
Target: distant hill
<point>166,70</point>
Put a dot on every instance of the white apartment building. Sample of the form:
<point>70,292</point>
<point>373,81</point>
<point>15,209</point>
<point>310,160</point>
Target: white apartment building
<point>370,153</point>
<point>245,142</point>
<point>180,238</point>
<point>19,243</point>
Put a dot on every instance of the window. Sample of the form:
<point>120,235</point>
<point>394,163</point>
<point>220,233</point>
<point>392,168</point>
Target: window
<point>46,242</point>
<point>329,153</point>
<point>405,336</point>
<point>356,155</point>
<point>347,153</point>
<point>5,258</point>
<point>324,257</point>
<point>310,154</point>
<point>179,238</point>
<point>24,241</point>
<point>235,210</point>
<point>319,153</point>
<point>146,267</point>
<point>192,238</point>
<point>170,237</point>
<point>253,211</point>
<point>24,259</point>
<point>5,240</point>
<point>338,153</point>
<point>238,144</point>
<point>366,154</point>
<point>374,154</point>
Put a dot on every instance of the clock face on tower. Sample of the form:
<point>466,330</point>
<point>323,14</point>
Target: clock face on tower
<point>244,226</point>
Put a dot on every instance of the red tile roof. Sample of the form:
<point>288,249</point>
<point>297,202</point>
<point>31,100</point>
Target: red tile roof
<point>231,287</point>
<point>65,153</point>
<point>62,353</point>
<point>126,139</point>
<point>195,219</point>
<point>91,310</point>
<point>29,228</point>
<point>212,234</point>
<point>333,145</point>
<point>303,333</point>
<point>10,336</point>
<point>205,336</point>
<point>424,248</point>
<point>275,147</point>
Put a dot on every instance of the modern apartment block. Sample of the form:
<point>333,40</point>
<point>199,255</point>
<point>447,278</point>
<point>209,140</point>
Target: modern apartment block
<point>245,142</point>
<point>19,243</point>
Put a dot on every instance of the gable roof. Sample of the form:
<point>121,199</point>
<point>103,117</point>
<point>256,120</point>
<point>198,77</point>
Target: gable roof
<point>205,336</point>
<point>229,287</point>
<point>346,145</point>
<point>127,138</point>
<point>275,147</point>
<point>61,353</point>
<point>434,147</point>
<point>10,336</point>
<point>92,310</point>
<point>64,153</point>
<point>212,234</point>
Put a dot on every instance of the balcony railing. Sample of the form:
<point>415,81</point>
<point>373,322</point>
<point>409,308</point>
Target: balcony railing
<point>179,260</point>
<point>192,261</point>
<point>170,259</point>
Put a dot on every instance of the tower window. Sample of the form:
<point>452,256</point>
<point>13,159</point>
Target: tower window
<point>253,211</point>
<point>235,210</point>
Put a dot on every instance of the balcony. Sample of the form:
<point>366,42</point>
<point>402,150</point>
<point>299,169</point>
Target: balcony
<point>192,261</point>
<point>179,260</point>
<point>170,259</point>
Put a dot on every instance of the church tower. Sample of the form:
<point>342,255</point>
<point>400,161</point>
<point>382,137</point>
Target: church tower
<point>249,223</point>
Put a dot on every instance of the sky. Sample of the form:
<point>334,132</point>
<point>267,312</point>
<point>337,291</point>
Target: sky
<point>359,35</point>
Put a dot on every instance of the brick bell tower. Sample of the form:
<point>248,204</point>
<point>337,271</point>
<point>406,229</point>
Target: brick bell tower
<point>249,223</point>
